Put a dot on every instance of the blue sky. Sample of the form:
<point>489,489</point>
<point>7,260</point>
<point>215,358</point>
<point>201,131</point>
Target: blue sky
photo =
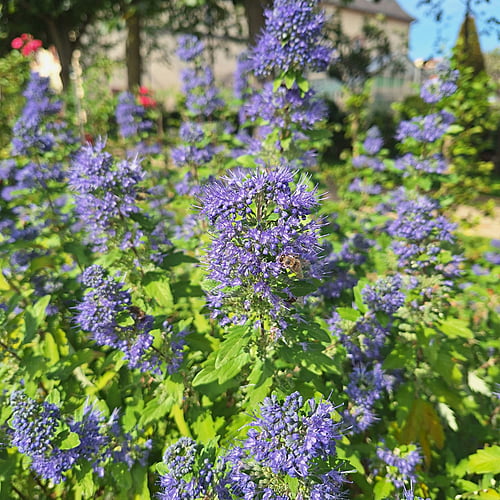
<point>430,38</point>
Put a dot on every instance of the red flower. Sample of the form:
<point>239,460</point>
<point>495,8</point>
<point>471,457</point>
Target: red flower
<point>146,101</point>
<point>143,90</point>
<point>25,37</point>
<point>31,46</point>
<point>17,43</point>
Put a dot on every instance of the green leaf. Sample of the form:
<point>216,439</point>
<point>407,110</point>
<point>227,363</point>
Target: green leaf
<point>232,346</point>
<point>303,84</point>
<point>485,461</point>
<point>72,440</point>
<point>382,489</point>
<point>352,459</point>
<point>205,428</point>
<point>33,317</point>
<point>247,161</point>
<point>207,374</point>
<point>50,349</point>
<point>293,485</point>
<point>477,384</point>
<point>230,369</point>
<point>157,287</point>
<point>454,328</point>
<point>54,397</point>
<point>289,80</point>
<point>449,416</point>
<point>304,287</point>
<point>348,313</point>
<point>358,299</point>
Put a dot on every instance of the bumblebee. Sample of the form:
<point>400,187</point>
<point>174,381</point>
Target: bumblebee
<point>292,263</point>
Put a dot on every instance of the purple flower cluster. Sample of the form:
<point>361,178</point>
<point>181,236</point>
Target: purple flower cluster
<point>106,196</point>
<point>35,429</point>
<point>241,85</point>
<point>32,130</point>
<point>263,242</point>
<point>364,161</point>
<point>185,478</point>
<point>428,128</point>
<point>410,495</point>
<point>202,97</point>
<point>288,440</point>
<point>176,347</point>
<point>442,85</point>
<point>285,108</point>
<point>189,47</point>
<point>358,186</point>
<point>385,295</point>
<point>493,257</point>
<point>292,39</point>
<point>419,230</point>
<point>196,149</point>
<point>409,163</point>
<point>398,465</point>
<point>366,386</point>
<point>373,142</point>
<point>101,311</point>
<point>131,116</point>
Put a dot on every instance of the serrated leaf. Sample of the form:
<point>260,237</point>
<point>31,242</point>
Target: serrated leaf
<point>348,313</point>
<point>54,397</point>
<point>205,428</point>
<point>485,461</point>
<point>424,427</point>
<point>454,328</point>
<point>487,494</point>
<point>231,347</point>
<point>232,368</point>
<point>478,385</point>
<point>157,287</point>
<point>207,374</point>
<point>449,415</point>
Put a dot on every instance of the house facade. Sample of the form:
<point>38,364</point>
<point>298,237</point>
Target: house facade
<point>162,75</point>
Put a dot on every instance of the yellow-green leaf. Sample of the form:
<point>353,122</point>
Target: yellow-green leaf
<point>485,461</point>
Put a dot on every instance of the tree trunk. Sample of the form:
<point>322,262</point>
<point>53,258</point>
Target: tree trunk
<point>59,35</point>
<point>254,12</point>
<point>133,50</point>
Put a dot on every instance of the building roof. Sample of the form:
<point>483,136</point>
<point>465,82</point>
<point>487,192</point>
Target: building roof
<point>389,8</point>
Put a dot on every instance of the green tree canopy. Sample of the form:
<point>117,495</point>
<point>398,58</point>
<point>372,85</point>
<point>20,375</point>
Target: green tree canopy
<point>467,50</point>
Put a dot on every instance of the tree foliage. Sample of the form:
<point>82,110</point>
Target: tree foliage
<point>467,51</point>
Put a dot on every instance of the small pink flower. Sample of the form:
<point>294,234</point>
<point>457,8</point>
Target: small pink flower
<point>146,101</point>
<point>31,46</point>
<point>17,43</point>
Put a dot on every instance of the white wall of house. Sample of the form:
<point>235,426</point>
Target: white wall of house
<point>162,74</point>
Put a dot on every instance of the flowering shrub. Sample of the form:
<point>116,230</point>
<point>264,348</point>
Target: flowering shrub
<point>204,324</point>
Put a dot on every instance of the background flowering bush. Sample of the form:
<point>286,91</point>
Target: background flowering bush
<point>204,320</point>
